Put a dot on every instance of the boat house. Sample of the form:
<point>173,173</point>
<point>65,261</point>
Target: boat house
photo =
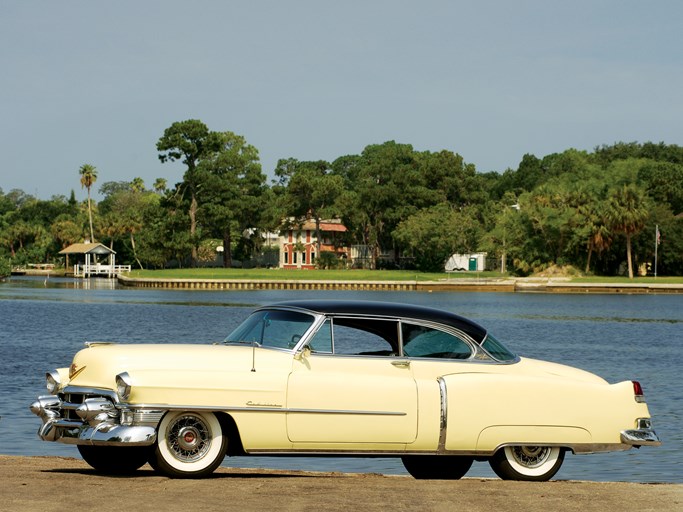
<point>92,260</point>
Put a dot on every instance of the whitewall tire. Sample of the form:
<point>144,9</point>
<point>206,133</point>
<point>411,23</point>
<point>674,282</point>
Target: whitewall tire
<point>529,463</point>
<point>189,444</point>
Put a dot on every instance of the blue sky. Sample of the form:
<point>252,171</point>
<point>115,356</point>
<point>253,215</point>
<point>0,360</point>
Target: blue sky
<point>95,82</point>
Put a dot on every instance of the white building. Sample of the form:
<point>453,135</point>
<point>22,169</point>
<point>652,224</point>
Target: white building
<point>473,262</point>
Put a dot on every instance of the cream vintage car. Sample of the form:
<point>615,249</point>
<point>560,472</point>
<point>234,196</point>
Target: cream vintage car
<point>338,378</point>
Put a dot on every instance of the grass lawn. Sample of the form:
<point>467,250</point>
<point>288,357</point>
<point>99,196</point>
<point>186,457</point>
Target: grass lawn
<point>294,275</point>
<point>361,275</point>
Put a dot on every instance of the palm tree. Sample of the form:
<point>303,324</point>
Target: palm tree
<point>137,185</point>
<point>88,178</point>
<point>160,185</point>
<point>627,214</point>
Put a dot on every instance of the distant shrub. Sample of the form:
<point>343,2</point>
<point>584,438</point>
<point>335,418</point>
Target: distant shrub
<point>328,260</point>
<point>5,268</point>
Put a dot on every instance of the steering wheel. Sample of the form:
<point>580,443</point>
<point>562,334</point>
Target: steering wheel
<point>295,339</point>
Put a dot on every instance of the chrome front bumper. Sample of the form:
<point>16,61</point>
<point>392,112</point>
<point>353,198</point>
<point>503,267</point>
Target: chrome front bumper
<point>644,435</point>
<point>100,424</point>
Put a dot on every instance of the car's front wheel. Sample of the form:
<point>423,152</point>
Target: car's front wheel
<point>189,444</point>
<point>437,467</point>
<point>529,463</point>
<point>115,460</point>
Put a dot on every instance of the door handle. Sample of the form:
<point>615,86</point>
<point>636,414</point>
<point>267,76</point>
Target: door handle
<point>401,363</point>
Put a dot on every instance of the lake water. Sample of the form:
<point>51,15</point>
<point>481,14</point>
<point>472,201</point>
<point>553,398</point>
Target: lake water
<point>619,337</point>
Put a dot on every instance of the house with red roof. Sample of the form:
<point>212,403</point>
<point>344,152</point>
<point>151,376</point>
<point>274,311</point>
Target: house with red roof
<point>299,243</point>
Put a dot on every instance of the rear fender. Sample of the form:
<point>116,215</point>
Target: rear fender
<point>487,410</point>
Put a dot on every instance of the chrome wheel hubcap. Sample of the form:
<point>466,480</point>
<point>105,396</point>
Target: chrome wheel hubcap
<point>531,456</point>
<point>189,438</point>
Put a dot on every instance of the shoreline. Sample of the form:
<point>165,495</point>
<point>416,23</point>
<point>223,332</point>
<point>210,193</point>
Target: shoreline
<point>555,285</point>
<point>509,285</point>
<point>56,483</point>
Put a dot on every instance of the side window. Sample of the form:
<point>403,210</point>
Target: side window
<point>355,341</point>
<point>356,336</point>
<point>421,341</point>
<point>322,340</point>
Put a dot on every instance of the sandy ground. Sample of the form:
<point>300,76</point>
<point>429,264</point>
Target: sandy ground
<point>59,484</point>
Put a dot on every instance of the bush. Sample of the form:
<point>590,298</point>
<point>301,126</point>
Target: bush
<point>5,268</point>
<point>328,260</point>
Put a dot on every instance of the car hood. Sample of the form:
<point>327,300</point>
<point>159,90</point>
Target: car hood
<point>98,365</point>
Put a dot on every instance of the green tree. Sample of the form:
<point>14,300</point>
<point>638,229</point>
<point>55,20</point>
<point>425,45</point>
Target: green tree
<point>433,234</point>
<point>446,177</point>
<point>628,211</point>
<point>591,221</point>
<point>88,175</point>
<point>511,236</point>
<point>232,187</point>
<point>137,185</point>
<point>664,183</point>
<point>65,231</point>
<point>160,185</point>
<point>387,188</point>
<point>5,267</point>
<point>188,141</point>
<point>123,212</point>
<point>311,190</point>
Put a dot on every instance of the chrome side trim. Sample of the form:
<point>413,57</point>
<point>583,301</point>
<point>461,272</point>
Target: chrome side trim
<point>169,407</point>
<point>443,419</point>
<point>579,449</point>
<point>341,411</point>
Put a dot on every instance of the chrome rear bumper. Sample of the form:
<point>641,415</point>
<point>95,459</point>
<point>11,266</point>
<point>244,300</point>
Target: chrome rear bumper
<point>640,437</point>
<point>644,435</point>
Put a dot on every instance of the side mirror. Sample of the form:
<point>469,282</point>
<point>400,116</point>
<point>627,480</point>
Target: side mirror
<point>303,353</point>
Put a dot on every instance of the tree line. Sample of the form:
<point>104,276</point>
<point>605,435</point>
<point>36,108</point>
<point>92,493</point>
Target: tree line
<point>596,211</point>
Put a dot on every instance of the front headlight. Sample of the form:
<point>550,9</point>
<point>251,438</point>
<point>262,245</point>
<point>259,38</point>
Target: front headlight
<point>123,385</point>
<point>52,382</point>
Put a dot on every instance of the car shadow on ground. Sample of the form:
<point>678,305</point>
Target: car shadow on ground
<point>147,473</point>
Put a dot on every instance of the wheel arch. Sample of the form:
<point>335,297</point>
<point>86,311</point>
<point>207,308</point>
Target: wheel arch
<point>229,427</point>
<point>494,438</point>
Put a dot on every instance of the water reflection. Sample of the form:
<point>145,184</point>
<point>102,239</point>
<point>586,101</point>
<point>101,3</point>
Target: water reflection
<point>617,337</point>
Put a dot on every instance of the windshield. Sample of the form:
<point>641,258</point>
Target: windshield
<point>497,349</point>
<point>272,328</point>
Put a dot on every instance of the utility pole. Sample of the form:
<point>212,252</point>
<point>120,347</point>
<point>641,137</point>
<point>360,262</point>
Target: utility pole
<point>656,246</point>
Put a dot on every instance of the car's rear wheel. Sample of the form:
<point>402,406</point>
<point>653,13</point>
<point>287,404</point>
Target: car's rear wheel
<point>115,460</point>
<point>189,444</point>
<point>529,463</point>
<point>437,467</point>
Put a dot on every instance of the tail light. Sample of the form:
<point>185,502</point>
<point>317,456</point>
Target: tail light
<point>638,392</point>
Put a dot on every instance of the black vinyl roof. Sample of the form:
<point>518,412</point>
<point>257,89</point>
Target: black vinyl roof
<point>388,310</point>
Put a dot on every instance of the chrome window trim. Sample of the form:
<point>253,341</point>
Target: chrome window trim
<point>320,318</point>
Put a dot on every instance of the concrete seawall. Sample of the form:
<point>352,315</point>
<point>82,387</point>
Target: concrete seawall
<point>446,285</point>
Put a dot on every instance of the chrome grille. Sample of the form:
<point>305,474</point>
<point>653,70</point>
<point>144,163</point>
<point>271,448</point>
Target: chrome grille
<point>72,397</point>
